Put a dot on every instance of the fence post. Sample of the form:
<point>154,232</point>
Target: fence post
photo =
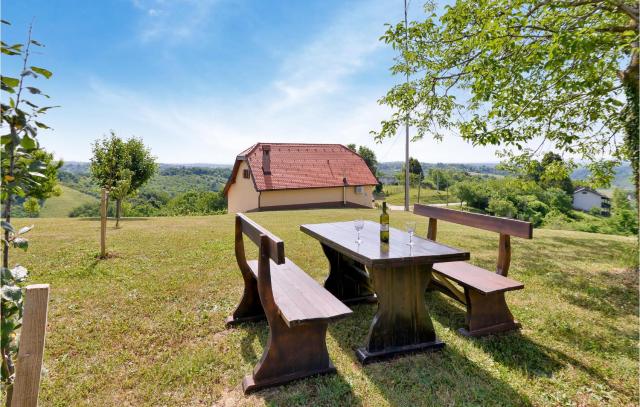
<point>103,224</point>
<point>30,353</point>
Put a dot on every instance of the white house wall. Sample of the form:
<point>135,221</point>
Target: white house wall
<point>585,200</point>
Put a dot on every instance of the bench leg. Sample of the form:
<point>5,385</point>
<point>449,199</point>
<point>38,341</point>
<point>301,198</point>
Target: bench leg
<point>250,307</point>
<point>487,314</point>
<point>291,353</point>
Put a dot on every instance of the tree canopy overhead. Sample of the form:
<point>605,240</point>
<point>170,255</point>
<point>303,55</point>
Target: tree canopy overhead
<point>529,75</point>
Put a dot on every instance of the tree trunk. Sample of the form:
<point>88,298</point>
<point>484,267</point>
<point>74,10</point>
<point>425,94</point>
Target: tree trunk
<point>118,209</point>
<point>631,128</point>
<point>630,79</point>
<point>104,202</point>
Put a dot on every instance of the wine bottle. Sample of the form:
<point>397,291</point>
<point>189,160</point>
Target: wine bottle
<point>384,224</point>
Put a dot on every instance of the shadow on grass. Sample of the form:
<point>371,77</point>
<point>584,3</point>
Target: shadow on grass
<point>445,377</point>
<point>519,352</point>
<point>97,219</point>
<point>324,390</point>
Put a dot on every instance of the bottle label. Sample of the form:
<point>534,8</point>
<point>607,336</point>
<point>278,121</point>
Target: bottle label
<point>384,227</point>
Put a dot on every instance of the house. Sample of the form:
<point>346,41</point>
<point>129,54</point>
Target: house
<point>586,198</point>
<point>388,180</point>
<point>271,176</point>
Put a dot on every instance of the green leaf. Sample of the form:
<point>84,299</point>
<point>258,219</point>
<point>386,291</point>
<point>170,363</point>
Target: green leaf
<point>9,81</point>
<point>34,91</point>
<point>42,125</point>
<point>28,142</point>
<point>5,275</point>
<point>44,109</point>
<point>7,226</point>
<point>19,273</point>
<point>44,72</point>
<point>21,243</point>
<point>25,229</point>
<point>11,293</point>
<point>34,42</point>
<point>37,174</point>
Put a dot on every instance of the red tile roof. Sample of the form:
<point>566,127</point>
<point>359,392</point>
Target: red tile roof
<point>295,166</point>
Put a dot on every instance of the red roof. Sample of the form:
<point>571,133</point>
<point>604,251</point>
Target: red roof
<point>295,166</point>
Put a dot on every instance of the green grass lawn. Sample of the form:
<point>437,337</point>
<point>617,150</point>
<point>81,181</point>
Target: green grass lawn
<point>395,195</point>
<point>146,327</point>
<point>60,206</point>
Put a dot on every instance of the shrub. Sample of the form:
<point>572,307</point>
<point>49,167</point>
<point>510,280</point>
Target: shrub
<point>196,203</point>
<point>473,193</point>
<point>502,207</point>
<point>595,211</point>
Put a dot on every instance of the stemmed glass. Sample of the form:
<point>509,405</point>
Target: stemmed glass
<point>411,229</point>
<point>358,225</point>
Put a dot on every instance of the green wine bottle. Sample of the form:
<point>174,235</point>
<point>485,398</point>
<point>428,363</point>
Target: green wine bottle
<point>384,224</point>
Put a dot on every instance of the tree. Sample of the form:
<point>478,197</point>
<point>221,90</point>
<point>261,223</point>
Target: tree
<point>21,177</point>
<point>110,158</point>
<point>142,164</point>
<point>514,73</point>
<point>415,167</point>
<point>48,186</point>
<point>369,157</point>
<point>550,172</point>
<point>139,168</point>
<point>32,207</point>
<point>121,190</point>
<point>121,167</point>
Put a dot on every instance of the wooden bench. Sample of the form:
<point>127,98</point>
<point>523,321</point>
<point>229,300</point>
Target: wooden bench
<point>483,290</point>
<point>296,307</point>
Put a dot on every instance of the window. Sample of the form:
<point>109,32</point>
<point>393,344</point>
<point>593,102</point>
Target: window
<point>245,174</point>
<point>359,189</point>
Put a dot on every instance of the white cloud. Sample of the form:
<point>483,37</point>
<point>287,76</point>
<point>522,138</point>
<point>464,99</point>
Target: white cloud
<point>316,96</point>
<point>173,21</point>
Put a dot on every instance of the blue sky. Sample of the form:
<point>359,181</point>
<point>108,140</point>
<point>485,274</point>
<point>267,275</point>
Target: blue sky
<point>201,80</point>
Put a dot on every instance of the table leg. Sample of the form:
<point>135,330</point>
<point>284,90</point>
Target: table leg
<point>402,323</point>
<point>348,280</point>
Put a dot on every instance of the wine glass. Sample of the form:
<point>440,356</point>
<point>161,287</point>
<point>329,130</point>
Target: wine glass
<point>358,225</point>
<point>411,229</point>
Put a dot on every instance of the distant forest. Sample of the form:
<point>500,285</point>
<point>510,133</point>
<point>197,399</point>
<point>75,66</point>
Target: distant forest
<point>171,179</point>
<point>621,180</point>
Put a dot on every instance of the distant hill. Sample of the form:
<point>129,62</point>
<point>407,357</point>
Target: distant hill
<point>622,178</point>
<point>171,179</point>
<point>60,206</point>
<point>81,167</point>
<point>394,167</point>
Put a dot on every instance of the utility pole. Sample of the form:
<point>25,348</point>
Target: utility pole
<point>406,144</point>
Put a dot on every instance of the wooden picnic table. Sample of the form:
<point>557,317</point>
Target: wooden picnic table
<point>397,273</point>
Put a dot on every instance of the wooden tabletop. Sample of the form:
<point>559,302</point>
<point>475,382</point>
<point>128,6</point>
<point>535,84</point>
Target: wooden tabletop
<point>341,236</point>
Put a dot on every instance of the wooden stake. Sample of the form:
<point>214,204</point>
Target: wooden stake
<point>29,364</point>
<point>103,224</point>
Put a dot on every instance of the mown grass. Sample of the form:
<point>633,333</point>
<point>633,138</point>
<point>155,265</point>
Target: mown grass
<point>145,327</point>
<point>395,195</point>
<point>60,206</point>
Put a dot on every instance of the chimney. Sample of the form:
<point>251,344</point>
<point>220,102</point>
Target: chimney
<point>266,159</point>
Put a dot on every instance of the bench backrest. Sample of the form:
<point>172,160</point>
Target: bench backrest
<point>274,245</point>
<point>270,247</point>
<point>504,226</point>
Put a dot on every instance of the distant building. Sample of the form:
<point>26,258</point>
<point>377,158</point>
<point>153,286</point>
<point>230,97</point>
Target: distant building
<point>271,176</point>
<point>388,180</point>
<point>584,199</point>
